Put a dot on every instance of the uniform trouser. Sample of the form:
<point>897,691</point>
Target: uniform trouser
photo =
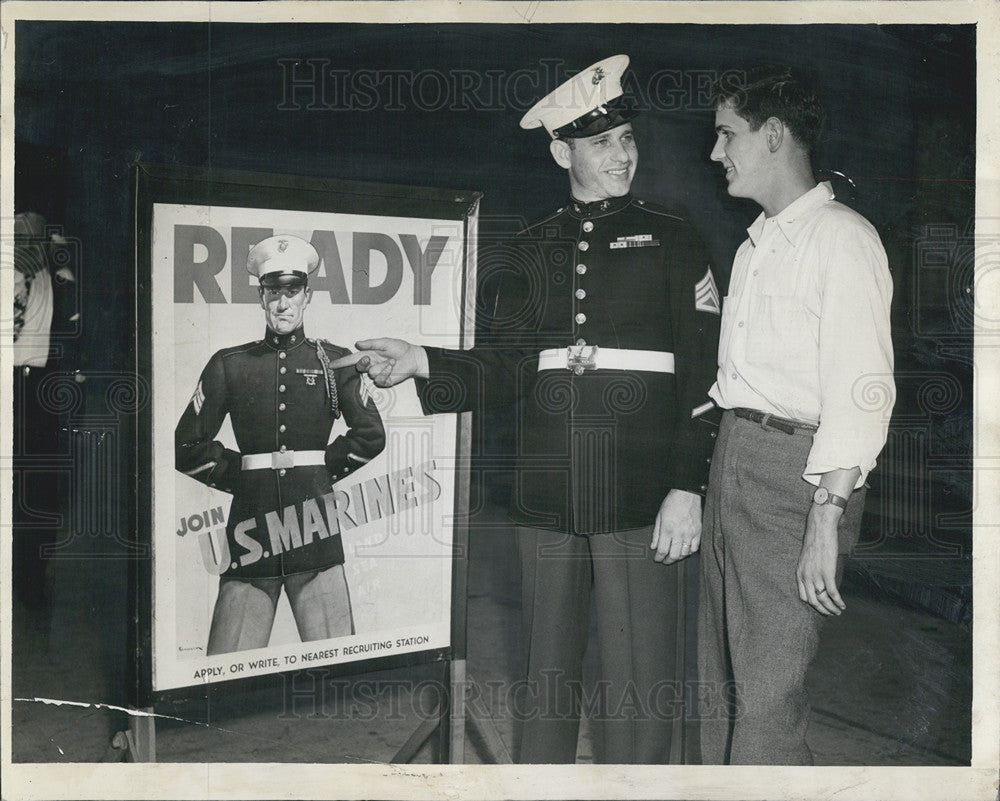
<point>637,707</point>
<point>756,637</point>
<point>245,608</point>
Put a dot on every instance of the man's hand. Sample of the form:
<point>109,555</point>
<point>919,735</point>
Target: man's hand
<point>677,530</point>
<point>817,568</point>
<point>390,361</point>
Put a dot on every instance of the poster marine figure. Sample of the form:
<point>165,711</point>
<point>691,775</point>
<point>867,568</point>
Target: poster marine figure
<point>282,395</point>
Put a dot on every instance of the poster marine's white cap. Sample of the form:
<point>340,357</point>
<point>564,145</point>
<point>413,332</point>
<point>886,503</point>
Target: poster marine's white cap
<point>282,259</point>
<point>590,102</point>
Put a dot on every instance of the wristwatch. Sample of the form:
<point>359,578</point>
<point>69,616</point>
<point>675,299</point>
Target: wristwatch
<point>822,495</point>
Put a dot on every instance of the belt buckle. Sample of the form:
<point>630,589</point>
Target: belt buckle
<point>282,460</point>
<point>768,423</point>
<point>580,358</point>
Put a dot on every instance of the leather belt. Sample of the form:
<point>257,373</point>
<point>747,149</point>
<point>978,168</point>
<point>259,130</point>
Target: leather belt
<point>583,358</point>
<point>770,421</point>
<point>283,460</point>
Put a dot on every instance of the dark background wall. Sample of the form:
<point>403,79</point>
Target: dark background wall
<point>401,104</point>
<point>901,105</point>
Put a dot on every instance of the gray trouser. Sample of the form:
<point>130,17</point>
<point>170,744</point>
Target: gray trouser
<point>637,705</point>
<point>756,637</point>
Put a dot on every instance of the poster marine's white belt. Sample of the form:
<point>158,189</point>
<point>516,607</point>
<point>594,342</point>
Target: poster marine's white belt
<point>278,460</point>
<point>581,358</point>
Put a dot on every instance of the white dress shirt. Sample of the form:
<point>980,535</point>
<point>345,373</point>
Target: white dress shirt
<point>805,330</point>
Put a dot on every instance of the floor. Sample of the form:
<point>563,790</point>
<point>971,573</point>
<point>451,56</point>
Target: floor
<point>891,684</point>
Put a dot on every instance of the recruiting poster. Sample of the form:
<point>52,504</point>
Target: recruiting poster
<point>234,598</point>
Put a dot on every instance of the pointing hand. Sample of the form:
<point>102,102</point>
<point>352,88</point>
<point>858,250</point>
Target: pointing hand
<point>389,361</point>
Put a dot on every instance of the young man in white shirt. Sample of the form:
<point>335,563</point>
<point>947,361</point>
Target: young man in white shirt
<point>805,374</point>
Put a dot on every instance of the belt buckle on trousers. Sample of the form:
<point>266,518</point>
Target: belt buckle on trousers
<point>581,357</point>
<point>767,422</point>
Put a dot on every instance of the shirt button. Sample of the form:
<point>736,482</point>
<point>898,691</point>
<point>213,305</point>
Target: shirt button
<point>755,272</point>
<point>734,376</point>
<point>581,268</point>
<point>580,294</point>
<point>581,342</point>
<point>588,226</point>
<point>741,323</point>
<point>282,471</point>
<point>713,435</point>
<point>293,340</point>
<point>283,370</point>
<point>704,488</point>
<point>281,388</point>
<point>282,449</point>
<point>583,245</point>
<point>275,340</point>
<point>281,355</point>
<point>281,407</point>
<point>281,429</point>
<point>581,318</point>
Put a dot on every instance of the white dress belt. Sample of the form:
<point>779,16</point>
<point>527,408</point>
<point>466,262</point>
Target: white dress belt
<point>283,460</point>
<point>583,358</point>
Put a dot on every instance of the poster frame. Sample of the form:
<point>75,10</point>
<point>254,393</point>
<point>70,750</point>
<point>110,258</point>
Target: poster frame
<point>176,184</point>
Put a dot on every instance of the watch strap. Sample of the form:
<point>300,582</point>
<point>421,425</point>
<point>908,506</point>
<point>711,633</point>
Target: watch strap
<point>831,498</point>
<point>837,500</point>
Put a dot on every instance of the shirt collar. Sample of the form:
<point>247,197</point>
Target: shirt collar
<point>786,219</point>
<point>277,341</point>
<point>598,207</point>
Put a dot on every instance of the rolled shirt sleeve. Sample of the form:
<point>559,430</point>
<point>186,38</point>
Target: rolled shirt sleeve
<point>857,390</point>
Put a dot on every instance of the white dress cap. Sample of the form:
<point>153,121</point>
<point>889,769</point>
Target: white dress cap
<point>282,256</point>
<point>585,94</point>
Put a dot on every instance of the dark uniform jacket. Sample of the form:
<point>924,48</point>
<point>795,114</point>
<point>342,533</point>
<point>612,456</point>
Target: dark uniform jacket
<point>596,452</point>
<point>276,395</point>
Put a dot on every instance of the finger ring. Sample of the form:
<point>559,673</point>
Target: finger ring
<point>821,590</point>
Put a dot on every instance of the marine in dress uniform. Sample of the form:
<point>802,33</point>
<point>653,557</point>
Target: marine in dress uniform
<point>606,327</point>
<point>282,396</point>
